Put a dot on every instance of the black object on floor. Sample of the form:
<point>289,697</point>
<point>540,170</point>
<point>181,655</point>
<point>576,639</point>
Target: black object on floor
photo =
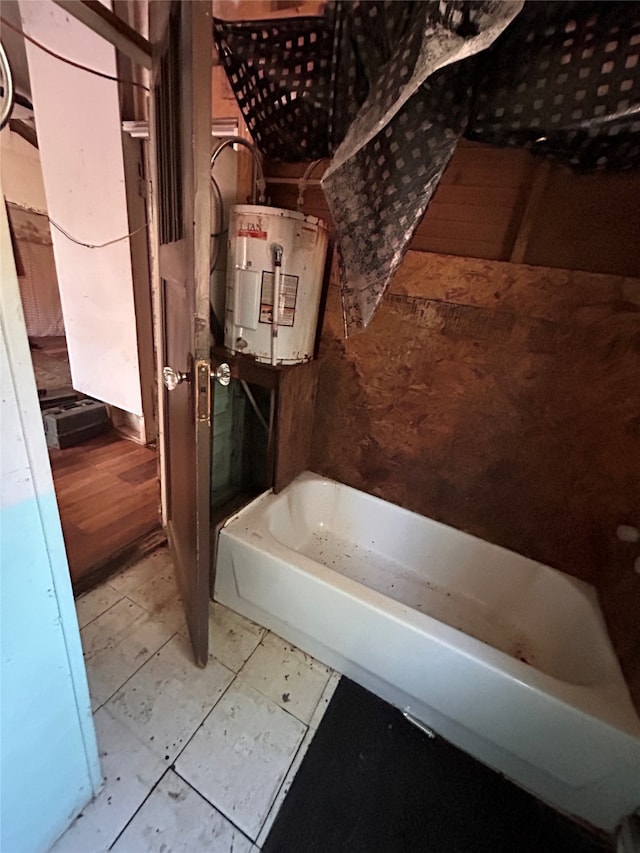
<point>57,397</point>
<point>74,422</point>
<point>373,783</point>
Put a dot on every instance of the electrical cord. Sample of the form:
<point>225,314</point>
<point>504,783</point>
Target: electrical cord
<point>94,245</point>
<point>55,55</point>
<point>80,242</point>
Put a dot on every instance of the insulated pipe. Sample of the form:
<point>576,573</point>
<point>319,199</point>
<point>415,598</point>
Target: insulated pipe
<point>302,183</point>
<point>260,183</point>
<point>276,252</point>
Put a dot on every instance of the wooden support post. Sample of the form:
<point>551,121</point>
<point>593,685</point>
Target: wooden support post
<point>538,187</point>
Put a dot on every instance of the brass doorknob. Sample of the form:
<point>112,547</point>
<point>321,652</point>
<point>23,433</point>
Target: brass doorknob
<point>172,378</point>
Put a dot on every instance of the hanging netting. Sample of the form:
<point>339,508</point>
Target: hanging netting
<point>386,89</point>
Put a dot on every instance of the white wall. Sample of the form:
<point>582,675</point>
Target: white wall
<point>49,765</point>
<point>79,134</point>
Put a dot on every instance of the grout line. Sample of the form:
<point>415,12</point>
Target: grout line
<point>284,782</point>
<point>98,615</point>
<point>270,699</point>
<point>128,679</point>
<point>206,716</point>
<point>292,646</point>
<point>151,790</point>
<point>220,812</point>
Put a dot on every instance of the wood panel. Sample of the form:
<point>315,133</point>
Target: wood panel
<point>108,497</point>
<point>475,210</point>
<point>294,430</point>
<point>588,222</point>
<point>501,399</point>
<point>584,222</point>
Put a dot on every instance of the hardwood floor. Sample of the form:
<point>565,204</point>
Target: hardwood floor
<point>108,496</point>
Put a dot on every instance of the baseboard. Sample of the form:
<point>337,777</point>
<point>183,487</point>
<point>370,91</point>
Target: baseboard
<point>122,559</point>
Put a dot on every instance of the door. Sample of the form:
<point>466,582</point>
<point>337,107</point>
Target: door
<point>180,134</point>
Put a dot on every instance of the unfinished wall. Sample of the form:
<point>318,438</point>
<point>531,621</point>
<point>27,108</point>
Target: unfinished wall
<point>501,399</point>
<point>505,204</point>
<point>27,207</point>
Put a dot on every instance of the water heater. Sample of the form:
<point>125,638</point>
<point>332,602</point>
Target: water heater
<point>274,255</point>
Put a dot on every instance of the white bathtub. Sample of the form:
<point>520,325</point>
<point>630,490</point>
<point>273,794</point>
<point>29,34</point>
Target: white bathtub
<point>505,657</point>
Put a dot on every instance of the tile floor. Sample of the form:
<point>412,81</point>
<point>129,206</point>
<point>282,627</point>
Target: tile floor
<point>193,759</point>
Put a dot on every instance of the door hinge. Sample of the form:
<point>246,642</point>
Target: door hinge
<point>203,390</point>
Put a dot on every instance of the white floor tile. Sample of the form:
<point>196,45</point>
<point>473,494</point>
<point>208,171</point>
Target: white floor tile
<point>286,675</point>
<point>232,638</point>
<point>168,698</point>
<point>159,596</point>
<point>175,818</point>
<point>105,631</point>
<point>284,788</point>
<point>135,576</point>
<point>130,770</point>
<point>327,695</point>
<point>118,643</point>
<point>92,604</point>
<point>315,721</point>
<point>240,756</point>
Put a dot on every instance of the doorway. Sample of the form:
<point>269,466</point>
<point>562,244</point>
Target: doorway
<point>106,483</point>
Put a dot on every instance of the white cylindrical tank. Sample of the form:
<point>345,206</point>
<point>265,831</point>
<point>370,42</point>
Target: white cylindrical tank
<point>274,249</point>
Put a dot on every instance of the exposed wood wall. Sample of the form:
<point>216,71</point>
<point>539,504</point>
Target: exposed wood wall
<point>36,272</point>
<point>501,399</point>
<point>481,207</point>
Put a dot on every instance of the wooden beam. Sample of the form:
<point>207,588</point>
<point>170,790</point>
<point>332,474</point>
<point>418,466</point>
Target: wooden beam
<point>112,28</point>
<point>538,186</point>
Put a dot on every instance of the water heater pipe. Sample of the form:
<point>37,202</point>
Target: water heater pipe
<point>302,183</point>
<point>260,183</point>
<point>276,252</point>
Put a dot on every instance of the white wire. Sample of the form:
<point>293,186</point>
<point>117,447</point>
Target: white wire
<point>71,62</point>
<point>93,245</point>
<point>80,242</point>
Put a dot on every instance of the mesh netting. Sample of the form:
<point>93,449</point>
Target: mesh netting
<point>387,88</point>
<point>565,79</point>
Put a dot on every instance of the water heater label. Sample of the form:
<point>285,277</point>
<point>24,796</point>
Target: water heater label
<point>249,232</point>
<point>288,297</point>
<point>251,226</point>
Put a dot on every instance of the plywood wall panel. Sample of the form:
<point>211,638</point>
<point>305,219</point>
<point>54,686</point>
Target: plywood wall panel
<point>501,399</point>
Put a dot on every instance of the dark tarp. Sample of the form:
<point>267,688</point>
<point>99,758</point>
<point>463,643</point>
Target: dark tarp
<point>386,89</point>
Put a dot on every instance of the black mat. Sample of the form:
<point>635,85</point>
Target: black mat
<point>373,782</point>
